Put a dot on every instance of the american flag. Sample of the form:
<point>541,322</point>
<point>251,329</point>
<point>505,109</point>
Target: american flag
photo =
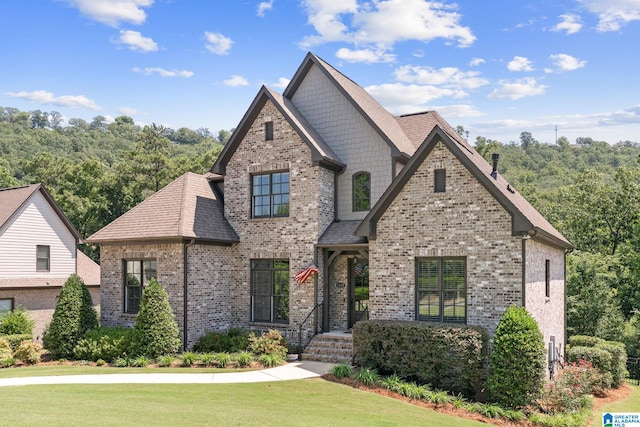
<point>359,269</point>
<point>305,273</point>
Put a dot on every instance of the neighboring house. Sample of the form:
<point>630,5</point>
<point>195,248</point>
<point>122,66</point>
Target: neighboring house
<point>38,253</point>
<point>401,216</point>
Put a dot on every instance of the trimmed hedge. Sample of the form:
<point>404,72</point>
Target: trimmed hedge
<point>518,360</point>
<point>233,341</point>
<point>15,340</point>
<point>106,343</point>
<point>607,356</point>
<point>449,357</point>
<point>74,315</point>
<point>155,331</point>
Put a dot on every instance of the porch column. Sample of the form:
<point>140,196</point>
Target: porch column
<point>325,293</point>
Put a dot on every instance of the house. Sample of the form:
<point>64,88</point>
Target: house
<point>378,216</point>
<point>38,253</point>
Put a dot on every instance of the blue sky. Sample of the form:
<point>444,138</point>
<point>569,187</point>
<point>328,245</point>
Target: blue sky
<point>495,67</point>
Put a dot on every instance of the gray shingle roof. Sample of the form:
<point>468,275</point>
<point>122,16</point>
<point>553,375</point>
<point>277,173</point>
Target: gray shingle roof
<point>187,208</point>
<point>341,233</point>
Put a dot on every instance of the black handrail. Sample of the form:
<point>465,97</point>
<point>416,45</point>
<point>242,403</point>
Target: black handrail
<point>315,330</point>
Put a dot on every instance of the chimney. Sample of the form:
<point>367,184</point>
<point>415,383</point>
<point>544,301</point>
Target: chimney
<point>494,159</point>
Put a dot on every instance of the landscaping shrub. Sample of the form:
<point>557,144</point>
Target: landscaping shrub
<point>6,355</point>
<point>607,356</point>
<point>28,352</point>
<point>16,322</point>
<point>342,371</point>
<point>232,341</point>
<point>450,357</point>
<point>4,344</point>
<point>367,376</point>
<point>269,360</point>
<point>104,343</point>
<point>166,361</point>
<point>270,342</point>
<point>207,359</point>
<point>15,340</point>
<point>244,359</point>
<point>222,359</point>
<point>155,332</point>
<point>73,316</point>
<point>518,360</point>
<point>188,358</point>
<point>573,384</point>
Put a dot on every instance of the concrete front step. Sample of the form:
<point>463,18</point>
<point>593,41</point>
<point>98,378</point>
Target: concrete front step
<point>330,348</point>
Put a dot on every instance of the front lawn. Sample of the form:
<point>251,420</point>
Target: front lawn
<point>310,402</point>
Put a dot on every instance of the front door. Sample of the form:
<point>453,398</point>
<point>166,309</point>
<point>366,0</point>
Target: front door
<point>358,290</point>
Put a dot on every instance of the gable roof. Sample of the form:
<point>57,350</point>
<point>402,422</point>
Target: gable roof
<point>321,153</point>
<point>525,218</point>
<point>13,199</point>
<point>379,118</point>
<point>187,208</point>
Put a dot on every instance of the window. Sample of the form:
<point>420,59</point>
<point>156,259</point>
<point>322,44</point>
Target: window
<point>270,291</point>
<point>361,191</point>
<point>268,131</point>
<point>441,290</point>
<point>440,181</point>
<point>547,278</point>
<point>137,274</point>
<point>6,305</point>
<point>270,195</point>
<point>42,258</point>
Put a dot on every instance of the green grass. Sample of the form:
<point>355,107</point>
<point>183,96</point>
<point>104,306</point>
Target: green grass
<point>285,403</point>
<point>55,370</point>
<point>631,404</point>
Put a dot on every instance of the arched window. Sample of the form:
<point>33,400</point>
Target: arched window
<point>361,191</point>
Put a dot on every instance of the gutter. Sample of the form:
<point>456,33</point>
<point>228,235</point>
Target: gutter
<point>185,320</point>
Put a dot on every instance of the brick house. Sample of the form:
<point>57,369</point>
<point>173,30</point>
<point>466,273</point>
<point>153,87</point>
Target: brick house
<point>400,215</point>
<point>38,253</point>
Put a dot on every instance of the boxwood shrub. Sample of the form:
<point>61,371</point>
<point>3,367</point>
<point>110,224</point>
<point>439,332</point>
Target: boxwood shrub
<point>232,341</point>
<point>607,356</point>
<point>449,357</point>
<point>106,343</point>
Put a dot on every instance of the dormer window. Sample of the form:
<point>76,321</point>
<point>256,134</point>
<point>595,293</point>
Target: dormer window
<point>268,131</point>
<point>440,181</point>
<point>361,191</point>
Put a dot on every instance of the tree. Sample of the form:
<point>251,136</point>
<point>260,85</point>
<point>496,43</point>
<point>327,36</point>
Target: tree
<point>224,136</point>
<point>148,162</point>
<point>601,211</point>
<point>155,332</point>
<point>98,123</point>
<point>517,360</point>
<point>39,119</point>
<point>486,147</point>
<point>593,307</point>
<point>527,140</point>
<point>460,130</point>
<point>55,118</point>
<point>73,316</point>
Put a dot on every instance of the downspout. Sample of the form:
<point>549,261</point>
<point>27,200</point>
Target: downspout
<point>185,320</point>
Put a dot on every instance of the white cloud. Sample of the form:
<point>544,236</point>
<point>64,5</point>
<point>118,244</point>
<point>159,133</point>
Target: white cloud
<point>367,56</point>
<point>113,12</point>
<point>476,61</point>
<point>458,111</point>
<point>217,43</point>
<point>45,97</point>
<point>569,23</point>
<point>236,81</point>
<point>518,89</point>
<point>567,62</point>
<point>613,14</point>
<point>162,72</point>
<point>136,41</point>
<point>282,83</point>
<point>263,7</point>
<point>401,98</point>
<point>451,77</point>
<point>128,111</point>
<point>378,26</point>
<point>519,63</point>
